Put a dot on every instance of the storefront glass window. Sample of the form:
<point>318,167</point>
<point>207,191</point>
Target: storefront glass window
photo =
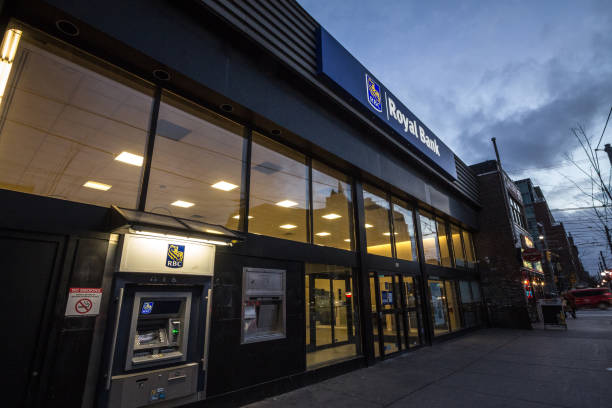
<point>403,226</point>
<point>196,169</point>
<point>468,304</point>
<point>430,239</point>
<point>475,291</point>
<point>443,243</point>
<point>332,208</point>
<point>332,326</point>
<point>439,312</point>
<point>72,129</point>
<point>457,246</point>
<point>466,292</point>
<point>454,316</point>
<point>470,256</point>
<point>279,191</point>
<point>378,232</point>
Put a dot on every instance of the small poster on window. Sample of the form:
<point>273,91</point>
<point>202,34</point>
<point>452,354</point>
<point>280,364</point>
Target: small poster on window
<point>387,297</point>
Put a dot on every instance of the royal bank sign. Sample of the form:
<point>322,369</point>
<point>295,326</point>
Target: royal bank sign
<point>337,65</point>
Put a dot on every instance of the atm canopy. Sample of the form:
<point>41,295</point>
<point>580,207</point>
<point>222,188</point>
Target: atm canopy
<point>125,220</point>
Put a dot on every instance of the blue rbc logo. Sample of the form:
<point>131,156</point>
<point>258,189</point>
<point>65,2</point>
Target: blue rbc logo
<point>176,253</point>
<point>374,96</point>
<point>147,308</point>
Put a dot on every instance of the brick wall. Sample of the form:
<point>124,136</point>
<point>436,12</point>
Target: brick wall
<point>500,263</point>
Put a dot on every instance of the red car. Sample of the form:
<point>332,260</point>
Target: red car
<point>592,297</point>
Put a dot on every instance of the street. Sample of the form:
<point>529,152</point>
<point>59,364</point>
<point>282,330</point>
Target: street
<point>488,368</point>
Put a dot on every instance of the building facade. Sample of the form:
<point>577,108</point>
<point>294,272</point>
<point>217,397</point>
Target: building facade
<point>561,254</point>
<point>198,209</point>
<point>510,283</point>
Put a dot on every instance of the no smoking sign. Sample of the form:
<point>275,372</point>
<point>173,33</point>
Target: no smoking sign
<point>83,302</point>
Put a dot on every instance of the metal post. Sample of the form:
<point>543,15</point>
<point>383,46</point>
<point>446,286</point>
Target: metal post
<point>608,233</point>
<point>603,260</point>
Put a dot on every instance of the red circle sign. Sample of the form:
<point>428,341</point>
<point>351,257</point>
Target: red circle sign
<point>83,306</point>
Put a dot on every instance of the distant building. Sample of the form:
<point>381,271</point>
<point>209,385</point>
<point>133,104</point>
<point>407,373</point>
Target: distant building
<point>510,284</point>
<point>561,253</point>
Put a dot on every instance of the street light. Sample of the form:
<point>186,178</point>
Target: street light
<point>541,237</point>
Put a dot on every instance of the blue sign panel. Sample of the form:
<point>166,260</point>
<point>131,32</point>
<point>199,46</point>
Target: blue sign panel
<point>147,308</point>
<point>339,66</point>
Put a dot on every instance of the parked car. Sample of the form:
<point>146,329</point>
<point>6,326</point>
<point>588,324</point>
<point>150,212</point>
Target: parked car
<point>592,297</point>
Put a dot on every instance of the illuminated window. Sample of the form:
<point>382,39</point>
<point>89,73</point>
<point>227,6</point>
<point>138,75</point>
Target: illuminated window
<point>378,231</point>
<point>429,234</point>
<point>457,245</point>
<point>403,226</point>
<point>197,164</point>
<point>445,258</point>
<point>470,255</point>
<point>332,208</point>
<point>279,191</point>
<point>67,120</point>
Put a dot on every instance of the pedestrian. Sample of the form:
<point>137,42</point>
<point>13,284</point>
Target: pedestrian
<point>569,304</point>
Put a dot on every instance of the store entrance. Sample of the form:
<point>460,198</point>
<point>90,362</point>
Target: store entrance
<point>329,312</point>
<point>395,312</point>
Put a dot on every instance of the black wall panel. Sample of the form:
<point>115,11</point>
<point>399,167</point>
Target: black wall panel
<point>31,269</point>
<point>233,365</point>
<point>71,354</point>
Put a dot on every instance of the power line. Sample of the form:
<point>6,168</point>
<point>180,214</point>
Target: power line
<point>578,208</point>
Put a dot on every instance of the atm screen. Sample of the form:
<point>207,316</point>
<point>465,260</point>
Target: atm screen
<point>160,307</point>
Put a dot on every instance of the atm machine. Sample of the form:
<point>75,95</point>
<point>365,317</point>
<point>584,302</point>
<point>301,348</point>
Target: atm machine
<point>157,335</point>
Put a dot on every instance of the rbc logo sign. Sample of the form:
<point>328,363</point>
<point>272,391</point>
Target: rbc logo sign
<point>374,97</point>
<point>176,253</point>
<point>147,308</point>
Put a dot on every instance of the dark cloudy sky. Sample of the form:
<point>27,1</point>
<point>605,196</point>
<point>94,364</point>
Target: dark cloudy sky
<point>524,72</point>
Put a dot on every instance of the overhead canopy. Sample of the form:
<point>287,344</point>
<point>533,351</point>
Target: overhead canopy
<point>125,220</point>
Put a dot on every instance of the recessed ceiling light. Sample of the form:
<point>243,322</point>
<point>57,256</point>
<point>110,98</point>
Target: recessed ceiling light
<point>288,226</point>
<point>97,186</point>
<point>224,185</point>
<point>331,216</point>
<point>212,231</point>
<point>237,217</point>
<point>323,234</point>
<point>347,240</point>
<point>181,203</point>
<point>129,158</point>
<point>369,226</point>
<point>286,203</point>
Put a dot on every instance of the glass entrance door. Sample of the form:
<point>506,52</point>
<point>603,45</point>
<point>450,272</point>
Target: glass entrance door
<point>411,294</point>
<point>395,318</point>
<point>329,313</point>
<point>454,317</point>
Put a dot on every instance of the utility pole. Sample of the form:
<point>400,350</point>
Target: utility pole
<point>607,229</point>
<point>603,261</point>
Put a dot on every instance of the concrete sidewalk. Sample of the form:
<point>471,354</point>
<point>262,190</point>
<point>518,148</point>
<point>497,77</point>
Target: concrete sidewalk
<point>488,368</point>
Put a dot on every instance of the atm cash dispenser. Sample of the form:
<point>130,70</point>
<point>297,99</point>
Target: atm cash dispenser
<point>263,304</point>
<point>156,342</point>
